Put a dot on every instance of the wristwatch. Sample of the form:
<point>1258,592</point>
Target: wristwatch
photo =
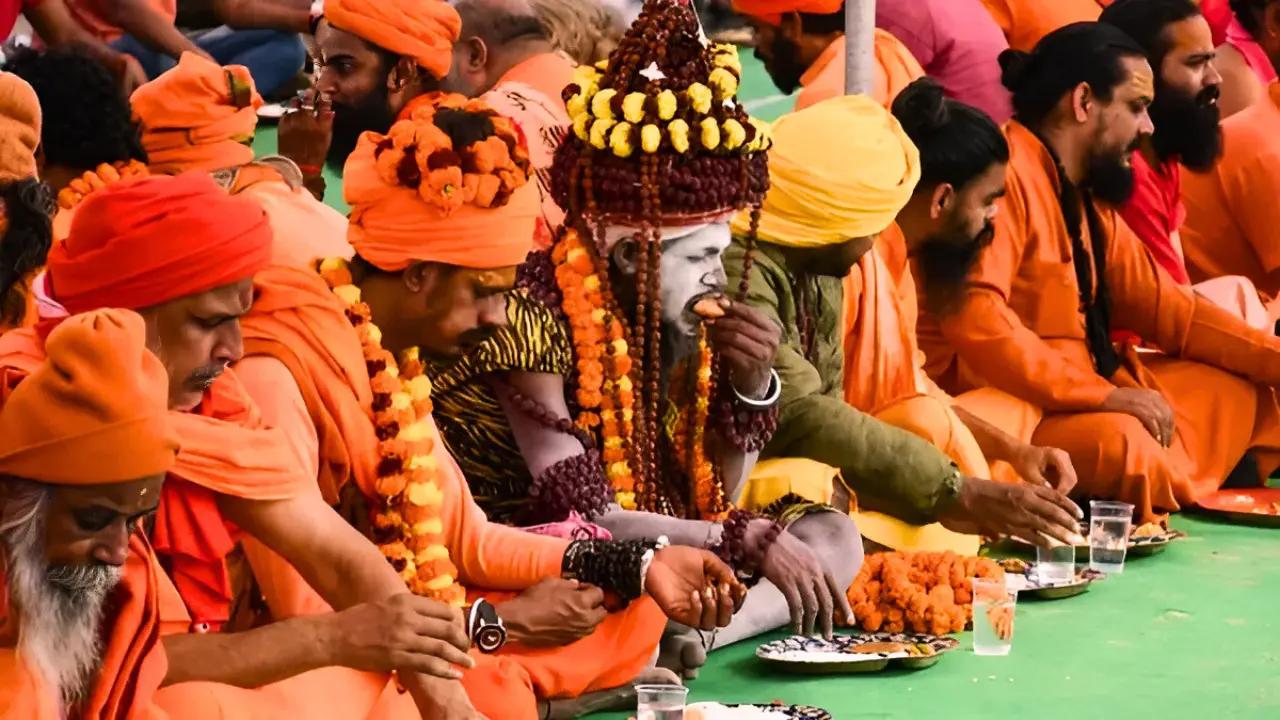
<point>487,632</point>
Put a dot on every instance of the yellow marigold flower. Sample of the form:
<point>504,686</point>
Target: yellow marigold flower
<point>619,347</point>
<point>725,83</point>
<point>602,104</point>
<point>581,126</point>
<point>700,98</point>
<point>667,105</point>
<point>401,401</point>
<point>414,433</point>
<point>587,79</point>
<point>576,106</point>
<point>620,140</point>
<point>624,384</point>
<point>726,55</point>
<point>440,582</point>
<point>606,415</point>
<point>710,133</point>
<point>597,316</point>
<point>435,551</point>
<point>627,500</point>
<point>633,107</point>
<point>600,133</point>
<point>425,494</point>
<point>679,131</point>
<point>613,443</point>
<point>627,414</point>
<point>349,294</point>
<point>734,134</point>
<point>331,264</point>
<point>372,331</point>
<point>602,65</point>
<point>420,388</point>
<point>764,135</point>
<point>591,283</point>
<point>423,462</point>
<point>650,138</point>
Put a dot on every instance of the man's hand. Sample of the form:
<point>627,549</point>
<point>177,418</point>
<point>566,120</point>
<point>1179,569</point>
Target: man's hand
<point>439,699</point>
<point>1045,466</point>
<point>403,632</point>
<point>554,612</point>
<point>812,594</point>
<point>694,587</point>
<point>1148,406</point>
<point>747,341</point>
<point>306,131</point>
<point>1037,514</point>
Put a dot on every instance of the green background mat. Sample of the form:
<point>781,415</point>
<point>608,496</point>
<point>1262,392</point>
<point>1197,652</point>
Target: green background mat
<point>1190,633</point>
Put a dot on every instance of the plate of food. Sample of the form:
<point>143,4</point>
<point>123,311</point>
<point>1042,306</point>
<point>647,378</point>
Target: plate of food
<point>1025,579</point>
<point>774,711</point>
<point>870,652</point>
<point>1247,506</point>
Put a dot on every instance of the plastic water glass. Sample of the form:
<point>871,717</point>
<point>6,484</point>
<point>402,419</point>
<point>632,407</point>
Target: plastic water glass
<point>1109,524</point>
<point>1055,565</point>
<point>660,702</point>
<point>993,609</point>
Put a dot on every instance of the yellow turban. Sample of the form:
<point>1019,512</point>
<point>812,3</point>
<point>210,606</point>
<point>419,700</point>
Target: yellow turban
<point>839,170</point>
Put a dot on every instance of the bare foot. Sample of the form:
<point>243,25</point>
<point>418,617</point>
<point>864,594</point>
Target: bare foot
<point>619,698</point>
<point>682,652</point>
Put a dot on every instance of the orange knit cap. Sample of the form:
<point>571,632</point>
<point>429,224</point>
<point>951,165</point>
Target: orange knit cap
<point>95,412</point>
<point>414,195</point>
<point>424,30</point>
<point>771,11</point>
<point>197,116</point>
<point>19,128</point>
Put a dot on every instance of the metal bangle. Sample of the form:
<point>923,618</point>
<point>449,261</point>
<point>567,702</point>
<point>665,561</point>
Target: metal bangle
<point>770,398</point>
<point>647,559</point>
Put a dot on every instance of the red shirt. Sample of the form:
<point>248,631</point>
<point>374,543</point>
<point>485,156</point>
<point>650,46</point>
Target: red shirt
<point>1155,212</point>
<point>9,12</point>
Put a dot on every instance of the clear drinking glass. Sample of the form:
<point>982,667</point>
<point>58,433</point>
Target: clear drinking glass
<point>660,702</point>
<point>993,608</point>
<point>1109,524</point>
<point>1055,565</point>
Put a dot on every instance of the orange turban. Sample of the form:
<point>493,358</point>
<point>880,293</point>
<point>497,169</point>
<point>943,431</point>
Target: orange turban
<point>424,30</point>
<point>96,411</point>
<point>197,116</point>
<point>141,243</point>
<point>19,128</point>
<point>411,198</point>
<point>771,11</point>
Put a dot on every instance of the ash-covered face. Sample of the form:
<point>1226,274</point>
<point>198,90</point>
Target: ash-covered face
<point>691,267</point>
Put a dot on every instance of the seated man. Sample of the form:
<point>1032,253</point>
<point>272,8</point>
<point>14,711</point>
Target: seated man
<point>1158,431</point>
<point>235,475</point>
<point>339,368</point>
<point>24,202</point>
<point>199,116</point>
<point>1024,22</point>
<point>854,403</point>
<point>1248,41</point>
<point>85,443</point>
<point>55,27</point>
<point>1179,47</point>
<point>145,29</point>
<point>652,445</point>
<point>802,45</point>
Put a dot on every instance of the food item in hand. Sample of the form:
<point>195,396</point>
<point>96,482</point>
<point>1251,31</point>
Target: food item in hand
<point>709,308</point>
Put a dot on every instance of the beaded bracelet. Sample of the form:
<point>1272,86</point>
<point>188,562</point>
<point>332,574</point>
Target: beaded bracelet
<point>733,550</point>
<point>615,565</point>
<point>576,483</point>
<point>746,429</point>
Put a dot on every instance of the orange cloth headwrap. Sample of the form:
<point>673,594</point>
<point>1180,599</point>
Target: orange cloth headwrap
<point>424,30</point>
<point>197,116</point>
<point>140,243</point>
<point>96,411</point>
<point>411,200</point>
<point>19,128</point>
<point>771,11</point>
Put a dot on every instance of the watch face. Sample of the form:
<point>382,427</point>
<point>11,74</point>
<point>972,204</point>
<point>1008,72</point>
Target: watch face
<point>487,632</point>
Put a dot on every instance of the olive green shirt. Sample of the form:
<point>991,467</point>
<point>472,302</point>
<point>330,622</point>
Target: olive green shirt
<point>891,470</point>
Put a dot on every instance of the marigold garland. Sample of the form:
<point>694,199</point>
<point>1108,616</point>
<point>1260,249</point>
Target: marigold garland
<point>100,177</point>
<point>407,525</point>
<point>924,592</point>
<point>688,430</point>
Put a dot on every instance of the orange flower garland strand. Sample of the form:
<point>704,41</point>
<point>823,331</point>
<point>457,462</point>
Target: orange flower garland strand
<point>688,435</point>
<point>924,592</point>
<point>100,177</point>
<point>605,390</point>
<point>409,494</point>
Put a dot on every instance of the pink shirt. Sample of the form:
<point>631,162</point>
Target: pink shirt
<point>1155,212</point>
<point>957,42</point>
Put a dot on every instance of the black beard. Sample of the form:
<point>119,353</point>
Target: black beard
<point>1110,180</point>
<point>945,261</point>
<point>350,121</point>
<point>785,69</point>
<point>1187,128</point>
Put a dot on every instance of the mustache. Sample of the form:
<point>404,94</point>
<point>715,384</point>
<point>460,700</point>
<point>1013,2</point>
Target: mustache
<point>207,374</point>
<point>93,579</point>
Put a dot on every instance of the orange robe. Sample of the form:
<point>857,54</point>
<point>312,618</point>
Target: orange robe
<point>884,368</point>
<point>1024,22</point>
<point>298,330</point>
<point>1232,213</point>
<point>895,69</point>
<point>530,94</point>
<point>1021,330</point>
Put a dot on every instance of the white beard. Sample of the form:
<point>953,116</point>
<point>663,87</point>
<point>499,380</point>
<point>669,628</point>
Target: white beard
<point>60,611</point>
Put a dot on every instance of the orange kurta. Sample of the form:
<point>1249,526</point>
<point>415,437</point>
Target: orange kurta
<point>298,328</point>
<point>1021,330</point>
<point>1024,22</point>
<point>303,229</point>
<point>1232,215</point>
<point>895,69</point>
